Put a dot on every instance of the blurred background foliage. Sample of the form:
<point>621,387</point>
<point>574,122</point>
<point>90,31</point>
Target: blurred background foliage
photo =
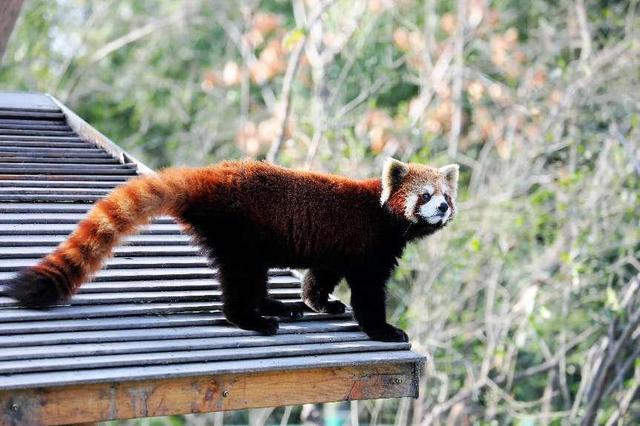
<point>529,302</point>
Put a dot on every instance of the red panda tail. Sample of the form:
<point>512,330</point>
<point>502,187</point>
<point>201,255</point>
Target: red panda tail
<point>59,275</point>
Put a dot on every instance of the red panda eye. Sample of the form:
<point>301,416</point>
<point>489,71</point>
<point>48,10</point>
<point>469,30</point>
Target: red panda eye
<point>426,197</point>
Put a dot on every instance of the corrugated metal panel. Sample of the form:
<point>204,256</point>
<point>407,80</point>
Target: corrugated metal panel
<point>154,310</point>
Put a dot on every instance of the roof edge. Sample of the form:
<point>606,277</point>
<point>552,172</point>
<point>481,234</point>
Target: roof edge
<point>209,393</point>
<point>90,133</point>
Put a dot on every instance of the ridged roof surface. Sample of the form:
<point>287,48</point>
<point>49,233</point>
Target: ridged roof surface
<point>154,309</point>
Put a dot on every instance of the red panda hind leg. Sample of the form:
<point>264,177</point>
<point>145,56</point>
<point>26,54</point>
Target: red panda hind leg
<point>318,284</point>
<point>243,288</point>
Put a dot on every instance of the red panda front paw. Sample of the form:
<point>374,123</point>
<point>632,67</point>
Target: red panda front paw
<point>326,307</point>
<point>387,333</point>
<point>334,307</point>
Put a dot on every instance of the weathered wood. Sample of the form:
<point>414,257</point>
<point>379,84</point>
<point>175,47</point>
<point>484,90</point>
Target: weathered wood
<point>36,132</point>
<point>122,251</point>
<point>135,240</point>
<point>144,274</point>
<point>8,168</point>
<point>229,353</point>
<point>130,322</point>
<point>67,218</point>
<point>65,229</point>
<point>54,160</point>
<point>122,263</point>
<point>17,138</point>
<point>22,123</point>
<point>233,391</point>
<point>67,177</point>
<point>102,336</point>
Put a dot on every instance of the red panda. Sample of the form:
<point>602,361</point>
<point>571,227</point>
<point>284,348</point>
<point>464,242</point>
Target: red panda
<point>251,216</point>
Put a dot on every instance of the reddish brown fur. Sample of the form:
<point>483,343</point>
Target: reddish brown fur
<point>251,216</point>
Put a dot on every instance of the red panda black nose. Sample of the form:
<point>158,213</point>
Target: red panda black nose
<point>443,207</point>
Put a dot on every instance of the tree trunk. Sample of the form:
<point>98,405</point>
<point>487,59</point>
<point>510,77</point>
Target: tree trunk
<point>9,11</point>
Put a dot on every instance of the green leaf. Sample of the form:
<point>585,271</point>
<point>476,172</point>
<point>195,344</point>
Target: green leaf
<point>293,37</point>
<point>612,300</point>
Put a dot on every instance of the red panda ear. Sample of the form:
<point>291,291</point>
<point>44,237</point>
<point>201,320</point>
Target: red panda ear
<point>392,174</point>
<point>450,173</point>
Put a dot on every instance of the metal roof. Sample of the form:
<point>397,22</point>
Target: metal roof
<point>153,312</point>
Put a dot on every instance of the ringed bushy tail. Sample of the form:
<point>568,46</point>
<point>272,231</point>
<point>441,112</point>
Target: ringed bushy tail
<point>59,275</point>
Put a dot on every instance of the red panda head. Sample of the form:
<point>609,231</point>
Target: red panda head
<point>422,194</point>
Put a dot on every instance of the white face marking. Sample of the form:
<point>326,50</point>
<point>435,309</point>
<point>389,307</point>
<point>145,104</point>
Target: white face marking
<point>430,211</point>
<point>410,207</point>
<point>429,189</point>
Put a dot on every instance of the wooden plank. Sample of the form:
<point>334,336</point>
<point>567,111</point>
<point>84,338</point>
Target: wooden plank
<point>96,324</point>
<point>24,101</point>
<point>74,167</point>
<point>204,355</point>
<point>55,198</point>
<point>130,322</point>
<point>219,391</point>
<point>25,122</point>
<point>28,169</point>
<point>45,144</point>
<point>142,274</point>
<point>177,296</point>
<point>17,183</point>
<point>102,311</point>
<point>136,240</point>
<point>122,263</point>
<point>48,115</point>
<point>275,281</point>
<point>70,159</point>
<point>65,229</point>
<point>37,132</point>
<point>102,375</point>
<point>44,208</point>
<point>59,192</point>
<point>167,333</point>
<point>55,126</point>
<point>122,251</point>
<point>185,284</point>
<point>84,150</point>
<point>8,140</point>
<point>163,345</point>
<point>63,312</point>
<point>46,177</point>
<point>39,154</point>
<point>61,218</point>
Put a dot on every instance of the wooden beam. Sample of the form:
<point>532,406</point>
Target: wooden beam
<point>125,400</point>
<point>9,11</point>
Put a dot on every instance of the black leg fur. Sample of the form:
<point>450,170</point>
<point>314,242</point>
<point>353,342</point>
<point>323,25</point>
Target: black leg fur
<point>243,289</point>
<point>318,284</point>
<point>368,302</point>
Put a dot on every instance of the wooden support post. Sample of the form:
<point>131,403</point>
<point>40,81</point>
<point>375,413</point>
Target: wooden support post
<point>9,11</point>
<point>125,400</point>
